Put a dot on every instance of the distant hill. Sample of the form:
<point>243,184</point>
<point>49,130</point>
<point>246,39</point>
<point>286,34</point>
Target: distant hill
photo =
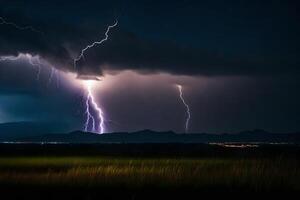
<point>148,136</point>
<point>15,130</point>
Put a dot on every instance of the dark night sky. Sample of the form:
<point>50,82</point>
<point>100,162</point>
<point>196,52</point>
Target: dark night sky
<point>238,63</point>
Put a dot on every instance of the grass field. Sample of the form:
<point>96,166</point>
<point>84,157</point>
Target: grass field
<point>147,171</point>
<point>132,173</point>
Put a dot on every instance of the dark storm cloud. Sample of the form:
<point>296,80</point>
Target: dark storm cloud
<point>69,27</point>
<point>127,51</point>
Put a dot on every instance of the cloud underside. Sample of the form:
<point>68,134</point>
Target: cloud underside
<point>63,41</point>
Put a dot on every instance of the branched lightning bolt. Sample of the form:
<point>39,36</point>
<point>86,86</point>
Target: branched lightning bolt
<point>187,108</point>
<point>81,55</point>
<point>90,102</point>
<point>33,60</point>
<point>36,64</point>
<point>3,21</point>
<point>88,115</point>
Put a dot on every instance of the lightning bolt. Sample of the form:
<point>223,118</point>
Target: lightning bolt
<point>81,55</point>
<point>57,78</point>
<point>54,72</point>
<point>91,103</point>
<point>92,107</point>
<point>186,106</point>
<point>36,64</point>
<point>51,76</point>
<point>89,116</point>
<point>30,28</point>
<point>33,60</point>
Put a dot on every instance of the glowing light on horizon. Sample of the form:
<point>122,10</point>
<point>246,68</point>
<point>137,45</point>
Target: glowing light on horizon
<point>97,122</point>
<point>186,106</point>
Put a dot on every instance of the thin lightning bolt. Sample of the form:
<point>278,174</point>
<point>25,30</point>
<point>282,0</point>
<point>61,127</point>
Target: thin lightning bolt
<point>90,102</point>
<point>51,76</point>
<point>37,64</point>
<point>33,60</point>
<point>3,21</point>
<point>53,73</point>
<point>187,108</point>
<point>89,116</point>
<point>57,78</point>
<point>81,55</point>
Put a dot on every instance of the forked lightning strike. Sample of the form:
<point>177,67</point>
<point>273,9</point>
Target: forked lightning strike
<point>91,102</point>
<point>187,108</point>
<point>89,116</point>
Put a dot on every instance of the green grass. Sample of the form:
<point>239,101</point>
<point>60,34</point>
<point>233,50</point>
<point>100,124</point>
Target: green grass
<point>252,174</point>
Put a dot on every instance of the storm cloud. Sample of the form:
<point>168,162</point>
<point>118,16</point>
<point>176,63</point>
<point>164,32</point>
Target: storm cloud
<point>69,28</point>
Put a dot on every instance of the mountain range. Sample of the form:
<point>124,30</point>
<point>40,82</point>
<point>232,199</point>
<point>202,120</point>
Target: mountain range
<point>31,132</point>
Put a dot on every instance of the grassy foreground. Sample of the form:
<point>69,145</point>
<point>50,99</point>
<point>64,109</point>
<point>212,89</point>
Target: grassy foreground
<point>132,173</point>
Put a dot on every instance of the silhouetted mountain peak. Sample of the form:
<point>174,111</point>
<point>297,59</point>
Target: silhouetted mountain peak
<point>79,133</point>
<point>255,132</point>
<point>25,132</point>
<point>149,131</point>
<point>145,131</point>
